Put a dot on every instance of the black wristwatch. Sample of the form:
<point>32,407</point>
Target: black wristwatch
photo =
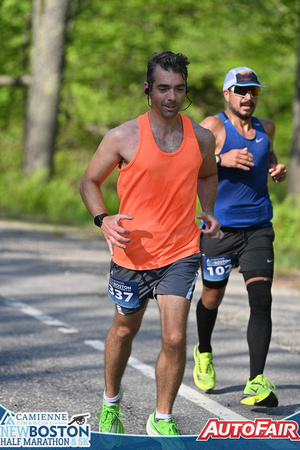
<point>99,219</point>
<point>218,160</point>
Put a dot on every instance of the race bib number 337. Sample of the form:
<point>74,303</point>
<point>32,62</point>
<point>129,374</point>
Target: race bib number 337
<point>124,293</point>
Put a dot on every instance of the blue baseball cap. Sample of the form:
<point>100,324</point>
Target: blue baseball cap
<point>241,76</point>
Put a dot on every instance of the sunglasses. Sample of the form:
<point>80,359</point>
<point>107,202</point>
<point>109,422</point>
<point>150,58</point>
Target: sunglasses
<point>242,91</point>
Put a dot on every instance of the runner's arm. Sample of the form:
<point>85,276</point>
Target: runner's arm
<point>105,159</point>
<point>208,186</point>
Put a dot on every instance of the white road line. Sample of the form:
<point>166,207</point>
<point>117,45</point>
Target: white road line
<point>190,394</point>
<point>38,315</point>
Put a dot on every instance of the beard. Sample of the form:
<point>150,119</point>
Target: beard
<point>245,115</point>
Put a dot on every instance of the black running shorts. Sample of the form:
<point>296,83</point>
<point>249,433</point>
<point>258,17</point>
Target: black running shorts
<point>252,248</point>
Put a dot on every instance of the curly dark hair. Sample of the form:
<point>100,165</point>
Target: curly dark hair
<point>172,62</point>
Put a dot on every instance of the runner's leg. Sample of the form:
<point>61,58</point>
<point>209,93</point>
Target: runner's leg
<point>118,349</point>
<point>171,360</point>
<point>206,313</point>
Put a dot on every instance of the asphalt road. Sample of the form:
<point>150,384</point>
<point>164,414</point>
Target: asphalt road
<point>55,315</point>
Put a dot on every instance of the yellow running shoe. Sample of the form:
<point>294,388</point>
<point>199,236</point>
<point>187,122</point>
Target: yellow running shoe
<point>204,374</point>
<point>260,392</point>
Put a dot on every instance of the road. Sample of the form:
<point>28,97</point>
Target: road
<point>55,315</point>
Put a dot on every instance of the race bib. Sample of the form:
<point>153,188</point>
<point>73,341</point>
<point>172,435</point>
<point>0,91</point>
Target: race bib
<point>218,268</point>
<point>124,293</point>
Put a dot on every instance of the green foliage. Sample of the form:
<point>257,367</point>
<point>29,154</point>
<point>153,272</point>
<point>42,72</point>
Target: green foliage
<point>54,202</point>
<point>215,35</point>
<point>15,20</point>
<point>57,201</point>
<point>287,234</point>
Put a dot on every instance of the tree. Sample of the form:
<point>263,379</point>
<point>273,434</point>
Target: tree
<point>48,28</point>
<point>294,170</point>
<point>108,45</point>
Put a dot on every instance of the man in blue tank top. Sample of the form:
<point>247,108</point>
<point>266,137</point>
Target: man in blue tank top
<point>245,157</point>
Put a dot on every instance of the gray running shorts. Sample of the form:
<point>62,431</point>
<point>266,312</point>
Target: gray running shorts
<point>130,289</point>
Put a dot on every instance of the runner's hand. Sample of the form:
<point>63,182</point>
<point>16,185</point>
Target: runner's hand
<point>277,172</point>
<point>238,158</point>
<point>213,227</point>
<point>113,232</point>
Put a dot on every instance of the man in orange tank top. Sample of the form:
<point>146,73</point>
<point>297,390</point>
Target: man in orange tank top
<point>164,161</point>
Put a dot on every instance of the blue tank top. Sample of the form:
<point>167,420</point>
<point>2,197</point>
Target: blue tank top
<point>243,199</point>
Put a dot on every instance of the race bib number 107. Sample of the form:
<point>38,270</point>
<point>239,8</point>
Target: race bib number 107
<point>218,268</point>
<point>124,293</point>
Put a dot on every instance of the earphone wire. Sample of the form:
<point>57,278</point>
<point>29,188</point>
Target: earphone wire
<point>188,104</point>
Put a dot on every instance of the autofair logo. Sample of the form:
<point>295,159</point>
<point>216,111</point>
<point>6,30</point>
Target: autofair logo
<point>259,429</point>
<point>44,429</point>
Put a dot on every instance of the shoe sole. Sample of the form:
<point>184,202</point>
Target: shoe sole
<point>167,442</point>
<point>269,402</point>
<point>150,430</point>
<point>195,375</point>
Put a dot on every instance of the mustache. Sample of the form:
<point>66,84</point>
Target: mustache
<point>249,103</point>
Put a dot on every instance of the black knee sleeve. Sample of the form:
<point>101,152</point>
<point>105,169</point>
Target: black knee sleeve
<point>260,297</point>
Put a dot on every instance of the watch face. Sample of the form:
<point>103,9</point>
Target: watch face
<point>99,219</point>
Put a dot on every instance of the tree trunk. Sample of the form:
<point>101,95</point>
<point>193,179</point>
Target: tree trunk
<point>49,25</point>
<point>294,169</point>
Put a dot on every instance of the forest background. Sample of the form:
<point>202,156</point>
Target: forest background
<point>107,44</point>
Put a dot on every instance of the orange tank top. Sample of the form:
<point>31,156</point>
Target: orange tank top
<point>159,190</point>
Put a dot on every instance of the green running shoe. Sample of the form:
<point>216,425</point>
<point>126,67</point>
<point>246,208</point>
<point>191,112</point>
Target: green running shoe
<point>166,429</point>
<point>161,427</point>
<point>204,374</point>
<point>110,423</point>
<point>260,392</point>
